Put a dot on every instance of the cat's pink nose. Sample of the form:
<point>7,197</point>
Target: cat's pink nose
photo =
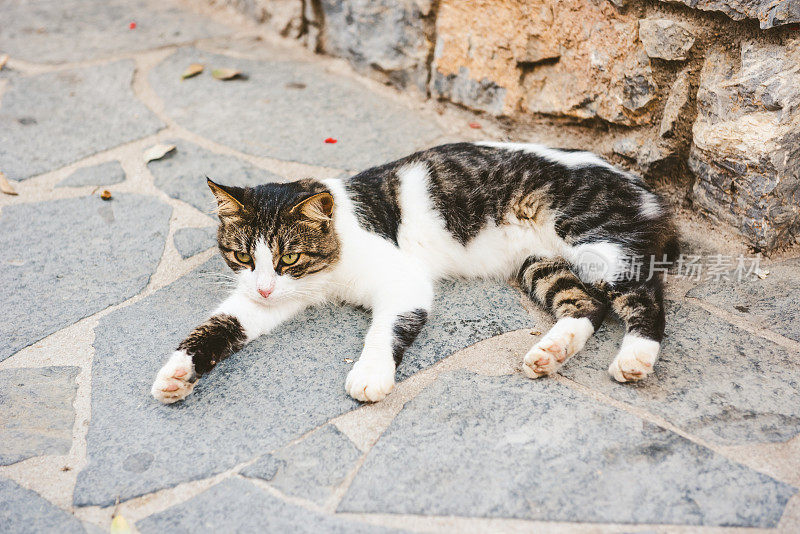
<point>265,292</point>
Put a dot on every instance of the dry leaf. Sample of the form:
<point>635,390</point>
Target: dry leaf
<point>348,360</point>
<point>536,333</point>
<point>3,60</point>
<point>192,70</point>
<point>5,186</point>
<point>761,273</point>
<point>119,525</point>
<point>106,194</point>
<point>157,152</point>
<point>226,74</point>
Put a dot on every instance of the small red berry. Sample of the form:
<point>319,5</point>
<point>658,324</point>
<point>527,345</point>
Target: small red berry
<point>132,25</point>
<point>475,125</point>
<point>330,140</point>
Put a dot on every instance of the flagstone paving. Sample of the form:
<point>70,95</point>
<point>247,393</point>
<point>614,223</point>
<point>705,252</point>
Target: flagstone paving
<point>95,294</point>
<point>108,173</point>
<point>473,445</point>
<point>713,379</point>
<point>285,110</point>
<point>274,391</point>
<point>36,413</point>
<point>770,302</point>
<point>23,511</point>
<point>52,119</point>
<point>191,241</point>
<point>64,260</point>
<point>182,174</point>
<point>311,469</point>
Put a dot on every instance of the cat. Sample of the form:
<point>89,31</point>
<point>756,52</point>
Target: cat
<point>564,223</point>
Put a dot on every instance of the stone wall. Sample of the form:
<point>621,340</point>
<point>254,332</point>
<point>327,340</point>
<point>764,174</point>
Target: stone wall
<point>698,92</point>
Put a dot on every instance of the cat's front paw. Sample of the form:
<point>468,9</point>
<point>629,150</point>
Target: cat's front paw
<point>635,359</point>
<point>370,380</point>
<point>176,379</point>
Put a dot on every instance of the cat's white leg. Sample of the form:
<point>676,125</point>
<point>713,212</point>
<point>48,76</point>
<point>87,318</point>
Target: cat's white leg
<point>372,376</point>
<point>561,342</point>
<point>397,318</point>
<point>237,321</point>
<point>635,359</point>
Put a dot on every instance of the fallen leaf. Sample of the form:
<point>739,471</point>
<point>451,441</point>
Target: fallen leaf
<point>226,74</point>
<point>536,333</point>
<point>330,140</point>
<point>192,70</point>
<point>5,186</point>
<point>132,26</point>
<point>348,360</point>
<point>106,194</point>
<point>119,525</point>
<point>475,126</point>
<point>761,273</point>
<point>3,61</point>
<point>295,85</point>
<point>157,152</point>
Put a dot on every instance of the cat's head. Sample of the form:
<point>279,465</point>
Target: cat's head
<point>278,238</point>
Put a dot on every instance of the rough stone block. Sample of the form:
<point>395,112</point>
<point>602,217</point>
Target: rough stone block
<point>745,141</point>
<point>769,13</point>
<point>538,57</point>
<point>665,38</point>
<point>274,391</point>
<point>236,505</point>
<point>52,119</point>
<point>393,38</point>
<point>64,260</point>
<point>511,447</point>
<point>286,110</point>
<point>311,469</point>
<point>36,413</point>
<point>675,106</point>
<point>104,174</point>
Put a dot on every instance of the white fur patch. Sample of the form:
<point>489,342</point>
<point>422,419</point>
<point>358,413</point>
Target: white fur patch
<point>496,252</point>
<point>561,342</point>
<point>568,159</point>
<point>175,380</point>
<point>650,207</point>
<point>635,359</point>
<point>598,261</point>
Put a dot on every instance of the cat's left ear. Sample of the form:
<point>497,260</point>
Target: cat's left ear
<point>318,207</point>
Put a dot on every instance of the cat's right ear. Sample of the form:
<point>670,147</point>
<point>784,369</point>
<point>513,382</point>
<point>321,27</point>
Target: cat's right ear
<point>227,203</point>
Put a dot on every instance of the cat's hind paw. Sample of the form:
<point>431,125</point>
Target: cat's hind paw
<point>635,359</point>
<point>561,342</point>
<point>370,380</point>
<point>176,379</point>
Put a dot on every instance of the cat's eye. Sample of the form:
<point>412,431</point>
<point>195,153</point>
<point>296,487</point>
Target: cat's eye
<point>290,259</point>
<point>242,257</point>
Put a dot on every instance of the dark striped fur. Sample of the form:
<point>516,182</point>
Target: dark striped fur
<point>213,341</point>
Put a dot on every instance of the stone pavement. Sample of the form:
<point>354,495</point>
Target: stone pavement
<point>96,293</point>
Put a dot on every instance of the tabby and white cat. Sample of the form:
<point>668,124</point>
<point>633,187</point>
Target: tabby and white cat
<point>562,222</point>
